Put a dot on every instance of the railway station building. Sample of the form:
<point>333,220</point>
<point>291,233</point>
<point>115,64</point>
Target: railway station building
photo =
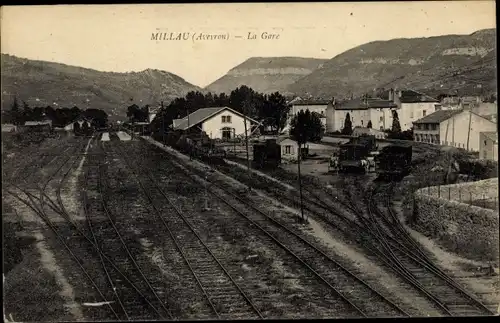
<point>217,123</point>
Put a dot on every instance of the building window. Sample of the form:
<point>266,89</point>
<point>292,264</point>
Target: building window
<point>226,119</point>
<point>424,113</point>
<point>411,114</point>
<point>381,118</point>
<point>322,112</point>
<point>361,122</point>
<point>485,155</point>
<point>288,150</point>
<point>485,143</point>
<point>381,128</point>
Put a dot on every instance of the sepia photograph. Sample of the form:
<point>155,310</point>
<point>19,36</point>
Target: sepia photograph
<point>249,161</point>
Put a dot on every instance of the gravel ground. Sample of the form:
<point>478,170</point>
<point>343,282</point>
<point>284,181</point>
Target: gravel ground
<point>351,257</point>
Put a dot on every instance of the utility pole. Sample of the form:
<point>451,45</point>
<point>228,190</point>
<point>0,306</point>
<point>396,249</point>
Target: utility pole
<point>300,186</point>
<point>245,110</point>
<point>162,124</point>
<point>190,151</point>
<point>234,141</point>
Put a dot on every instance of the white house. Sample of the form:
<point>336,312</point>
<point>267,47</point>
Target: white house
<point>456,128</point>
<point>289,149</point>
<point>217,123</point>
<point>412,106</point>
<point>361,112</point>
<point>313,105</point>
<point>488,145</point>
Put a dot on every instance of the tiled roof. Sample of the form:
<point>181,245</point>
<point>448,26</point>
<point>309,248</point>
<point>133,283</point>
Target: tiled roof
<point>361,104</point>
<point>411,96</point>
<point>38,123</point>
<point>491,135</point>
<point>201,115</point>
<point>438,116</point>
<point>312,102</point>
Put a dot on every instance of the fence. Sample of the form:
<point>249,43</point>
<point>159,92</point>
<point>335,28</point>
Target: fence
<point>482,193</point>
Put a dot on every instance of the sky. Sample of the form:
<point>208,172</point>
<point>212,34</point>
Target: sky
<point>119,37</point>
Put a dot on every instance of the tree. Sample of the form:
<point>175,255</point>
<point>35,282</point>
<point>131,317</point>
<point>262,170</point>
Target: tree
<point>396,127</point>
<point>99,117</point>
<point>304,128</point>
<point>347,130</point>
<point>316,129</point>
<point>15,114</point>
<point>275,111</point>
<point>369,125</point>
<point>27,113</point>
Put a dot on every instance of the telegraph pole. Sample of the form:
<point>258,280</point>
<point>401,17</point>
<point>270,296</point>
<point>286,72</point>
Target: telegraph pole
<point>162,123</point>
<point>300,185</point>
<point>190,151</point>
<point>245,110</point>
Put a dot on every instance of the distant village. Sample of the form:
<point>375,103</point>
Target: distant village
<point>464,122</point>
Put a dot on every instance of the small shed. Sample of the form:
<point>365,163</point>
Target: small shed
<point>289,149</point>
<point>38,126</point>
<point>9,128</point>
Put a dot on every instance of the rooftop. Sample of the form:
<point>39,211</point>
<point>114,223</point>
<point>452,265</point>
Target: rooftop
<point>412,96</point>
<point>201,115</point>
<point>361,104</point>
<point>311,101</point>
<point>38,123</point>
<point>438,116</point>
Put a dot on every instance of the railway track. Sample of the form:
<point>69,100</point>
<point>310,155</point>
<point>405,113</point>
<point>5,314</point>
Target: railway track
<point>362,299</point>
<point>403,254</point>
<point>223,295</point>
<point>39,208</point>
<point>410,262</point>
<point>143,301</point>
<point>452,296</point>
<point>81,257</point>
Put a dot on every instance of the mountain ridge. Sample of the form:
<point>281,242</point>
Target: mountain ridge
<point>42,83</point>
<point>265,74</point>
<point>400,62</point>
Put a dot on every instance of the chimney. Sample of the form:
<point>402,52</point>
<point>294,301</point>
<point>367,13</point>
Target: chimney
<point>391,94</point>
<point>333,100</point>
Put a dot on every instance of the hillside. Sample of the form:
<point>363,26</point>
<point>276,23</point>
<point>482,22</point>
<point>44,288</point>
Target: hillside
<point>266,74</point>
<point>432,64</point>
<point>42,83</point>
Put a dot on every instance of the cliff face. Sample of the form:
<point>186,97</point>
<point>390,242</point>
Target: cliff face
<point>451,62</point>
<point>42,83</point>
<point>266,74</point>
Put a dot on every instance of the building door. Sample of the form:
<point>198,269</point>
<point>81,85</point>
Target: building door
<point>227,133</point>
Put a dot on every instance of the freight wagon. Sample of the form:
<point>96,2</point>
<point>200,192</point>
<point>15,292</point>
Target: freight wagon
<point>266,155</point>
<point>394,161</point>
<point>356,155</point>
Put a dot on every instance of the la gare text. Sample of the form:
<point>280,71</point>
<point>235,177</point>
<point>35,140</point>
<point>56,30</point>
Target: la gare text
<point>214,36</point>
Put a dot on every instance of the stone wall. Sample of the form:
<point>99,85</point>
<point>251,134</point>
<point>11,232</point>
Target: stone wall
<point>465,229</point>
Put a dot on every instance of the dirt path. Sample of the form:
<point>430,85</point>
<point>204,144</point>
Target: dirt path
<point>49,263</point>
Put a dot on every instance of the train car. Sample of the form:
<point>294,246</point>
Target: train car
<point>394,161</point>
<point>356,155</point>
<point>198,146</point>
<point>267,154</point>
